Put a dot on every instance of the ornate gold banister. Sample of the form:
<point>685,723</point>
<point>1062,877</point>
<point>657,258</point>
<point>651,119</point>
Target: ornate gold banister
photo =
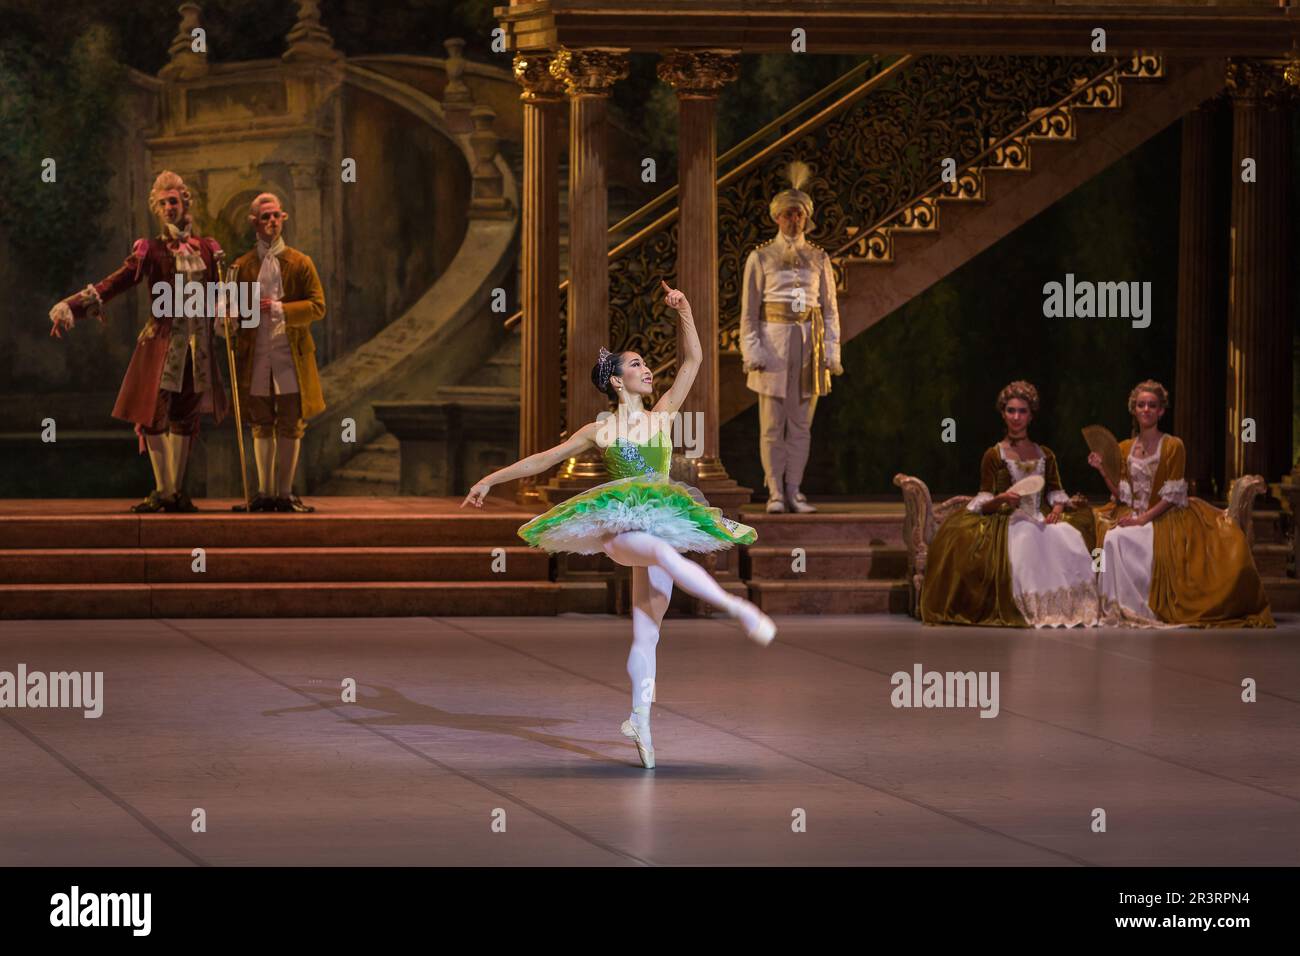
<point>1101,88</point>
<point>872,63</point>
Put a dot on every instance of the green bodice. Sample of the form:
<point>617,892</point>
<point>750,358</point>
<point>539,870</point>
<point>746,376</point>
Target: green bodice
<point>625,459</point>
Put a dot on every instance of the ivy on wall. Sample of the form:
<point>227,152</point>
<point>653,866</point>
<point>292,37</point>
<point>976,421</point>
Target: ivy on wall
<point>57,105</point>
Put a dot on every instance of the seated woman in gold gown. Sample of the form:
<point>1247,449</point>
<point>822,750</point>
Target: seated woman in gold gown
<point>1170,560</point>
<point>1011,560</point>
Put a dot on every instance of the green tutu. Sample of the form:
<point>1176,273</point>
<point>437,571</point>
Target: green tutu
<point>641,497</point>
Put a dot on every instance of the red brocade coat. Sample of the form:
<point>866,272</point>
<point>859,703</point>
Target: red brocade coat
<point>151,261</point>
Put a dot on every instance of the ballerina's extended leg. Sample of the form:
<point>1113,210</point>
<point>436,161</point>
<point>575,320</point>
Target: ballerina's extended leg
<point>641,549</point>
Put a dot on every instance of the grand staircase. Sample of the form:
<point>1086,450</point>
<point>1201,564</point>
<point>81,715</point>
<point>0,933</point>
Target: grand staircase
<point>357,557</point>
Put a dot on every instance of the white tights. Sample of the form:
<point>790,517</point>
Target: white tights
<point>656,567</point>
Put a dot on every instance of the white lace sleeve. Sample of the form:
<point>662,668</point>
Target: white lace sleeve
<point>62,316</point>
<point>977,503</point>
<point>1175,492</point>
<point>1057,498</point>
<point>1125,493</point>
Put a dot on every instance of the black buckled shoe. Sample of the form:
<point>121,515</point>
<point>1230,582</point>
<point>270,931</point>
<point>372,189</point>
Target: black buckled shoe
<point>179,503</point>
<point>260,502</point>
<point>150,505</point>
<point>293,503</point>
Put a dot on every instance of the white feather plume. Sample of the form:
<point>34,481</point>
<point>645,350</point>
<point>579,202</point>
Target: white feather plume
<point>798,173</point>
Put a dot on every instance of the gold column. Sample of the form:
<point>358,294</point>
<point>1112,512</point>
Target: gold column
<point>588,75</point>
<point>697,76</point>
<point>539,373</point>
<point>1259,326</point>
<point>1200,289</point>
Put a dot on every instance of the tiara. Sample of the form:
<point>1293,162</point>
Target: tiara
<point>605,362</point>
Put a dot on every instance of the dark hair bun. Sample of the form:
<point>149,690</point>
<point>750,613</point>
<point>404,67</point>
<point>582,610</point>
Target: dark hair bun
<point>614,366</point>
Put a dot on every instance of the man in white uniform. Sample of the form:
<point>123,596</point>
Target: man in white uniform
<point>789,340</point>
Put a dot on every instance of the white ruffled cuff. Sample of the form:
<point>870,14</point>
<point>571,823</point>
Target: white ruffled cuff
<point>1055,498</point>
<point>62,317</point>
<point>977,503</point>
<point>1125,493</point>
<point>1175,492</point>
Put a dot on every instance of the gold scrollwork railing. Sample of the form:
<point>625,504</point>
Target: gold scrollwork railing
<point>877,156</point>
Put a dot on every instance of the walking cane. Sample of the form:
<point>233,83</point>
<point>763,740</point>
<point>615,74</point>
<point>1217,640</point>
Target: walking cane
<point>231,273</point>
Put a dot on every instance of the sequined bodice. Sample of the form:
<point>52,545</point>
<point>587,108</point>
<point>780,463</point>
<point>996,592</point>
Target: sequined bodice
<point>625,459</point>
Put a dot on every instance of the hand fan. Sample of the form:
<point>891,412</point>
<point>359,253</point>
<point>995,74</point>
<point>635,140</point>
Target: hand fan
<point>1100,440</point>
<point>1027,485</point>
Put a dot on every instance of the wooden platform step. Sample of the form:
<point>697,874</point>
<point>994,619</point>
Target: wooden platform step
<point>300,599</point>
<point>222,565</point>
<point>833,561</point>
<point>825,527</point>
<point>229,530</point>
<point>830,597</point>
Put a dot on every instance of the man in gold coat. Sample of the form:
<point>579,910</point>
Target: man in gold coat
<point>279,385</point>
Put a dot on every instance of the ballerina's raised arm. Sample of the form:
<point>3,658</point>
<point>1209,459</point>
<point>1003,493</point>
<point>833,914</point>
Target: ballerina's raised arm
<point>689,364</point>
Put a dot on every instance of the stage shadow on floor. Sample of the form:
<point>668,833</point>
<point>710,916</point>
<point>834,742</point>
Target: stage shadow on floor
<point>390,708</point>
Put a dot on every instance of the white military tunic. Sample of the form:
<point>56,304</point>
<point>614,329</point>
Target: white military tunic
<point>795,273</point>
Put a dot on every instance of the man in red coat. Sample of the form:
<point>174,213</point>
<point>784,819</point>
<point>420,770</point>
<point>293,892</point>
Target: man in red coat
<point>174,374</point>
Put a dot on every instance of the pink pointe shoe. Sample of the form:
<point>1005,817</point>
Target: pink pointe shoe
<point>759,628</point>
<point>635,732</point>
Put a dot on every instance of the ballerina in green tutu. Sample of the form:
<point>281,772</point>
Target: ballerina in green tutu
<point>641,517</point>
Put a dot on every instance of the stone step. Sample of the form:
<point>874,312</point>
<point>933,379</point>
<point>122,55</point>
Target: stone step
<point>1270,559</point>
<point>823,527</point>
<point>478,394</point>
<point>370,472</point>
<point>300,599</point>
<point>1268,527</point>
<point>269,565</point>
<point>335,486</point>
<point>830,597</point>
<point>224,529</point>
<point>1283,594</point>
<point>821,561</point>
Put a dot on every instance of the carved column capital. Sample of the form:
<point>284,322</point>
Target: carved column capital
<point>591,71</point>
<point>533,73</point>
<point>1274,83</point>
<point>698,74</point>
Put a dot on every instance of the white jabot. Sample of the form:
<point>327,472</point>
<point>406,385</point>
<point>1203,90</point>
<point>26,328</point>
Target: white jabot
<point>273,371</point>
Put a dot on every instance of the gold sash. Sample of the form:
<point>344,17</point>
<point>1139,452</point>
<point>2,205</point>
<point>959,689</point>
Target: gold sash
<point>780,312</point>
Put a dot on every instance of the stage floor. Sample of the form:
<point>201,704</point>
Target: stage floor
<point>460,721</point>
